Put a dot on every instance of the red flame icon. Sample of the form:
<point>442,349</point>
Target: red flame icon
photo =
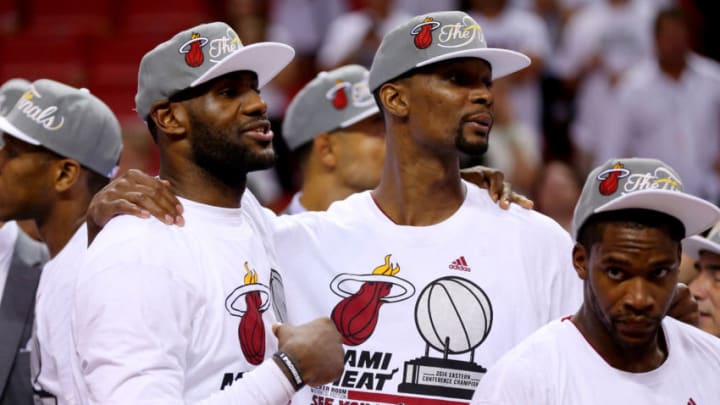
<point>194,57</point>
<point>423,37</point>
<point>251,330</point>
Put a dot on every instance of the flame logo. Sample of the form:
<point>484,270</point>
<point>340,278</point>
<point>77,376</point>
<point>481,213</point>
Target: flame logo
<point>422,32</point>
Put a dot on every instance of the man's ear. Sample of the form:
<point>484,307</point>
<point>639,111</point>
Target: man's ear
<point>394,98</point>
<point>170,118</point>
<point>66,172</point>
<point>580,261</point>
<point>324,149</point>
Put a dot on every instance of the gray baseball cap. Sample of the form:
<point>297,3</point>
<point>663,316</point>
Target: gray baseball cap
<point>200,54</point>
<point>68,121</point>
<point>693,245</point>
<point>642,183</point>
<point>435,37</point>
<point>10,92</point>
<point>335,99</point>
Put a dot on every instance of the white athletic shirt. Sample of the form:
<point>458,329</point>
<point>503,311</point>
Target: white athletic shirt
<point>159,310</point>
<point>484,278</point>
<point>8,236</point>
<point>556,365</point>
<point>52,343</point>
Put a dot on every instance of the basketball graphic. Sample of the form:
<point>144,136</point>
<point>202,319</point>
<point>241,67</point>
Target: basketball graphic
<point>453,315</point>
<point>357,314</point>
<point>277,292</point>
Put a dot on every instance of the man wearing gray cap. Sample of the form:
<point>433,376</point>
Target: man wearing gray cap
<point>62,145</point>
<point>333,127</point>
<point>177,315</point>
<point>619,347</point>
<point>705,287</point>
<point>21,259</point>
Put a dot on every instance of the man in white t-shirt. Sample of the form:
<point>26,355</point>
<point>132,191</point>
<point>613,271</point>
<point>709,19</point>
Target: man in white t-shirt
<point>620,347</point>
<point>705,287</point>
<point>186,315</point>
<point>61,145</point>
<point>428,280</point>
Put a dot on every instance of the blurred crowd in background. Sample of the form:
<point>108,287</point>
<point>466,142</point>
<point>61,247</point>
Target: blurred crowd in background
<point>608,77</point>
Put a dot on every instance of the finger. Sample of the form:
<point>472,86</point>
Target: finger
<point>276,327</point>
<point>497,185</point>
<point>159,201</point>
<point>522,201</point>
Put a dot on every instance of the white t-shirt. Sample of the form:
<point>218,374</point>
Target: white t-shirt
<point>8,236</point>
<point>484,278</point>
<point>556,365</point>
<point>171,315</point>
<point>52,344</point>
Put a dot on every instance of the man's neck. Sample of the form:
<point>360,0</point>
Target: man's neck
<point>200,186</point>
<point>319,191</point>
<point>59,226</point>
<point>419,191</point>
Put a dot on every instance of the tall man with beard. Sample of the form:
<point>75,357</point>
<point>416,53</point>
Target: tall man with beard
<point>176,315</point>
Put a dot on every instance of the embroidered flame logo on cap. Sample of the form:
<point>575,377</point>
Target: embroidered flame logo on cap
<point>422,33</point>
<point>338,95</point>
<point>609,179</point>
<point>193,50</point>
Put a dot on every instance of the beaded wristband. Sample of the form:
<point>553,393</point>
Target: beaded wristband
<point>287,361</point>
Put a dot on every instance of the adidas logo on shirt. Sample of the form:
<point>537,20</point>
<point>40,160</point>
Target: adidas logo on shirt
<point>459,264</point>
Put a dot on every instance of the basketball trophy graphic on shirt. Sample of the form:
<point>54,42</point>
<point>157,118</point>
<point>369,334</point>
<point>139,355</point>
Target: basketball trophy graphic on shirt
<point>248,302</point>
<point>277,293</point>
<point>454,317</point>
<point>356,315</point>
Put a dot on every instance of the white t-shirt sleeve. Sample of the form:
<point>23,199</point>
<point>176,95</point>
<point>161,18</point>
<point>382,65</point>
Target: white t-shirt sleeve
<point>132,329</point>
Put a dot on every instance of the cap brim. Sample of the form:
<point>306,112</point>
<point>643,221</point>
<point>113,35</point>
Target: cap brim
<point>693,245</point>
<point>266,59</point>
<point>361,116</point>
<point>695,213</point>
<point>12,130</point>
<point>502,61</point>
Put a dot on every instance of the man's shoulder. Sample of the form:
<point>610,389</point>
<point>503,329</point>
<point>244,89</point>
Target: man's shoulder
<point>693,338</point>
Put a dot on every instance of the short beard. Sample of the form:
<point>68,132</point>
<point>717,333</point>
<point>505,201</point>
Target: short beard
<point>471,149</point>
<point>227,161</point>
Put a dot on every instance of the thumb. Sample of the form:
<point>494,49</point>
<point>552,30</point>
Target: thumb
<point>276,327</point>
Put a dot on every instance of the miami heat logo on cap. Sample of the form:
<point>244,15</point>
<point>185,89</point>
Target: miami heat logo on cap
<point>338,94</point>
<point>357,314</point>
<point>251,330</point>
<point>193,50</point>
<point>422,33</point>
<point>610,178</point>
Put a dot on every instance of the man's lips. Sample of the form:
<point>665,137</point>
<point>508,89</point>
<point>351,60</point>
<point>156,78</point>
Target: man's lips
<point>479,122</point>
<point>260,131</point>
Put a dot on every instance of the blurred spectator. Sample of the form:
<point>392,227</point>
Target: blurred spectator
<point>514,147</point>
<point>601,41</point>
<point>557,190</point>
<point>511,27</point>
<point>705,287</point>
<point>669,109</point>
<point>302,24</point>
<point>353,37</point>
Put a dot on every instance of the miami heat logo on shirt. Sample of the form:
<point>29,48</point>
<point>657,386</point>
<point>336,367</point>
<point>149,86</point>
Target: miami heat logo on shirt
<point>248,302</point>
<point>193,50</point>
<point>609,179</point>
<point>357,314</point>
<point>422,33</point>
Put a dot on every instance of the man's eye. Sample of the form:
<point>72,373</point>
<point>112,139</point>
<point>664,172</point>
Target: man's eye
<point>227,92</point>
<point>660,273</point>
<point>615,273</point>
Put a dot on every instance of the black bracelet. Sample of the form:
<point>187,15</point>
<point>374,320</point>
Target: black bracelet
<point>287,361</point>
